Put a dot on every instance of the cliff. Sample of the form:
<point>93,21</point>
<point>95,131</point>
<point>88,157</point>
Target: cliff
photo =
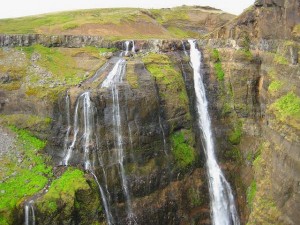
<point>52,98</point>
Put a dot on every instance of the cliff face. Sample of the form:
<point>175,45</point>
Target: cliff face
<point>267,19</point>
<point>251,72</point>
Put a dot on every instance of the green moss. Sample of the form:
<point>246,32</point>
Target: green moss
<point>169,80</point>
<point>251,191</point>
<point>215,56</point>
<point>217,64</point>
<point>62,191</point>
<point>275,86</point>
<point>62,69</point>
<point>288,106</point>
<point>26,177</point>
<point>132,76</point>
<point>235,136</point>
<point>182,148</point>
<point>279,59</point>
<point>103,50</point>
<point>219,71</point>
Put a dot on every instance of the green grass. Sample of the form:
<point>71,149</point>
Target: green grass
<point>287,109</point>
<point>215,55</point>
<point>275,86</point>
<point>25,182</point>
<point>62,191</point>
<point>279,59</point>
<point>182,148</point>
<point>251,191</point>
<point>235,136</point>
<point>63,67</point>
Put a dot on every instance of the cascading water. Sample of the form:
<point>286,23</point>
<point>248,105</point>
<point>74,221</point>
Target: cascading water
<point>222,201</point>
<point>127,48</point>
<point>111,81</point>
<point>29,213</point>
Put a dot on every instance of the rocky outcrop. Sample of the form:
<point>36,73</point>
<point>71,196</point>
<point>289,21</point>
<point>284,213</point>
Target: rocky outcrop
<point>267,19</point>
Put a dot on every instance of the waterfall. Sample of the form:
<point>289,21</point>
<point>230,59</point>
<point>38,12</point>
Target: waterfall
<point>222,201</point>
<point>127,48</point>
<point>75,133</point>
<point>108,214</point>
<point>29,213</point>
<point>88,115</point>
<point>68,122</point>
<point>111,81</point>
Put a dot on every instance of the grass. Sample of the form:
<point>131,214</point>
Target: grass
<point>235,136</point>
<point>287,109</point>
<point>215,55</point>
<point>279,59</point>
<point>59,69</point>
<point>62,191</point>
<point>275,86</point>
<point>251,191</point>
<point>182,148</point>
<point>25,178</point>
<point>33,123</point>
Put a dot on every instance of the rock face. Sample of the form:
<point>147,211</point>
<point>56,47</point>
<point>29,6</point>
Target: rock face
<point>267,19</point>
<point>259,139</point>
<point>150,123</point>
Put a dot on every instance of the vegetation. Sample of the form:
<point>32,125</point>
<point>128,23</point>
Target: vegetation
<point>131,75</point>
<point>287,109</point>
<point>56,69</point>
<point>169,79</point>
<point>35,124</point>
<point>182,148</point>
<point>24,178</point>
<point>217,64</point>
<point>235,136</point>
<point>275,86</point>
<point>279,59</point>
<point>251,191</point>
<point>62,191</point>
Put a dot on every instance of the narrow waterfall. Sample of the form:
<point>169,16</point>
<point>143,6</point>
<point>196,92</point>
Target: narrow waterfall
<point>29,213</point>
<point>127,48</point>
<point>68,122</point>
<point>222,201</point>
<point>75,133</point>
<point>112,80</point>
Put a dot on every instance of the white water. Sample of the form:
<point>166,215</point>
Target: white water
<point>108,214</point>
<point>222,201</point>
<point>75,133</point>
<point>88,116</point>
<point>112,80</point>
<point>29,213</point>
<point>127,48</point>
<point>68,121</point>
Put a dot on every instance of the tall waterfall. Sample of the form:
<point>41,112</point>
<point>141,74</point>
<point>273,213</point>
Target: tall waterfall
<point>29,213</point>
<point>112,80</point>
<point>222,201</point>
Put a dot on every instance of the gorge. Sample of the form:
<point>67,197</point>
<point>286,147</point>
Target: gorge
<point>187,115</point>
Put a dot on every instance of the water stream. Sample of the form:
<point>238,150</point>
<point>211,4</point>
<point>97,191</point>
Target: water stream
<point>222,201</point>
<point>29,213</point>
<point>112,80</point>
